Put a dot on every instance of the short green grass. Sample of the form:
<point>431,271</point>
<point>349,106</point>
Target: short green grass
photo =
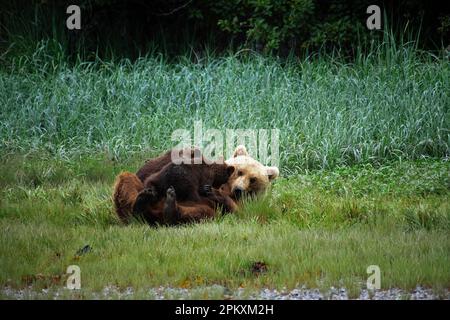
<point>319,229</point>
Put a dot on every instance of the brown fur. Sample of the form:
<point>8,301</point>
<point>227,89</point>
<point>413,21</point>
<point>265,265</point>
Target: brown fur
<point>153,166</point>
<point>126,190</point>
<point>249,177</point>
<point>131,198</point>
<point>167,210</point>
<point>188,179</point>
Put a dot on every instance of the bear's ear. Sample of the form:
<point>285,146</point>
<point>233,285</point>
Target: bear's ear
<point>272,173</point>
<point>230,170</point>
<point>240,151</point>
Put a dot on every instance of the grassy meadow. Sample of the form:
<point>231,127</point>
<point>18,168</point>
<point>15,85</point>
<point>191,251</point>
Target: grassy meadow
<point>364,150</point>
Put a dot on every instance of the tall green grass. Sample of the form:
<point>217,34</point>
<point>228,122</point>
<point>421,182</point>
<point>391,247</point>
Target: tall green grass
<point>391,104</point>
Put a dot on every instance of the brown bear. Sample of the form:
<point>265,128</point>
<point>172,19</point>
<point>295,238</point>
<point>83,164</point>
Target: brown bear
<point>185,182</point>
<point>167,210</point>
<point>188,179</point>
<point>190,190</point>
<point>249,177</point>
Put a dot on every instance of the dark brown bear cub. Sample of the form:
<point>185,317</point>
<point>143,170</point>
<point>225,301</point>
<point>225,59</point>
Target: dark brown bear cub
<point>190,182</point>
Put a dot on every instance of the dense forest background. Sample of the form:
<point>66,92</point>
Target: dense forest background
<point>173,27</point>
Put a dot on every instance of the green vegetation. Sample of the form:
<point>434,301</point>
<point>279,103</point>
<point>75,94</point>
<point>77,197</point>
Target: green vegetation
<point>391,105</point>
<point>364,150</point>
<point>175,27</point>
<point>318,229</point>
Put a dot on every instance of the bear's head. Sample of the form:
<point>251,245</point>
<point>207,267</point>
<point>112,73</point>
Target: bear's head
<point>250,176</point>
